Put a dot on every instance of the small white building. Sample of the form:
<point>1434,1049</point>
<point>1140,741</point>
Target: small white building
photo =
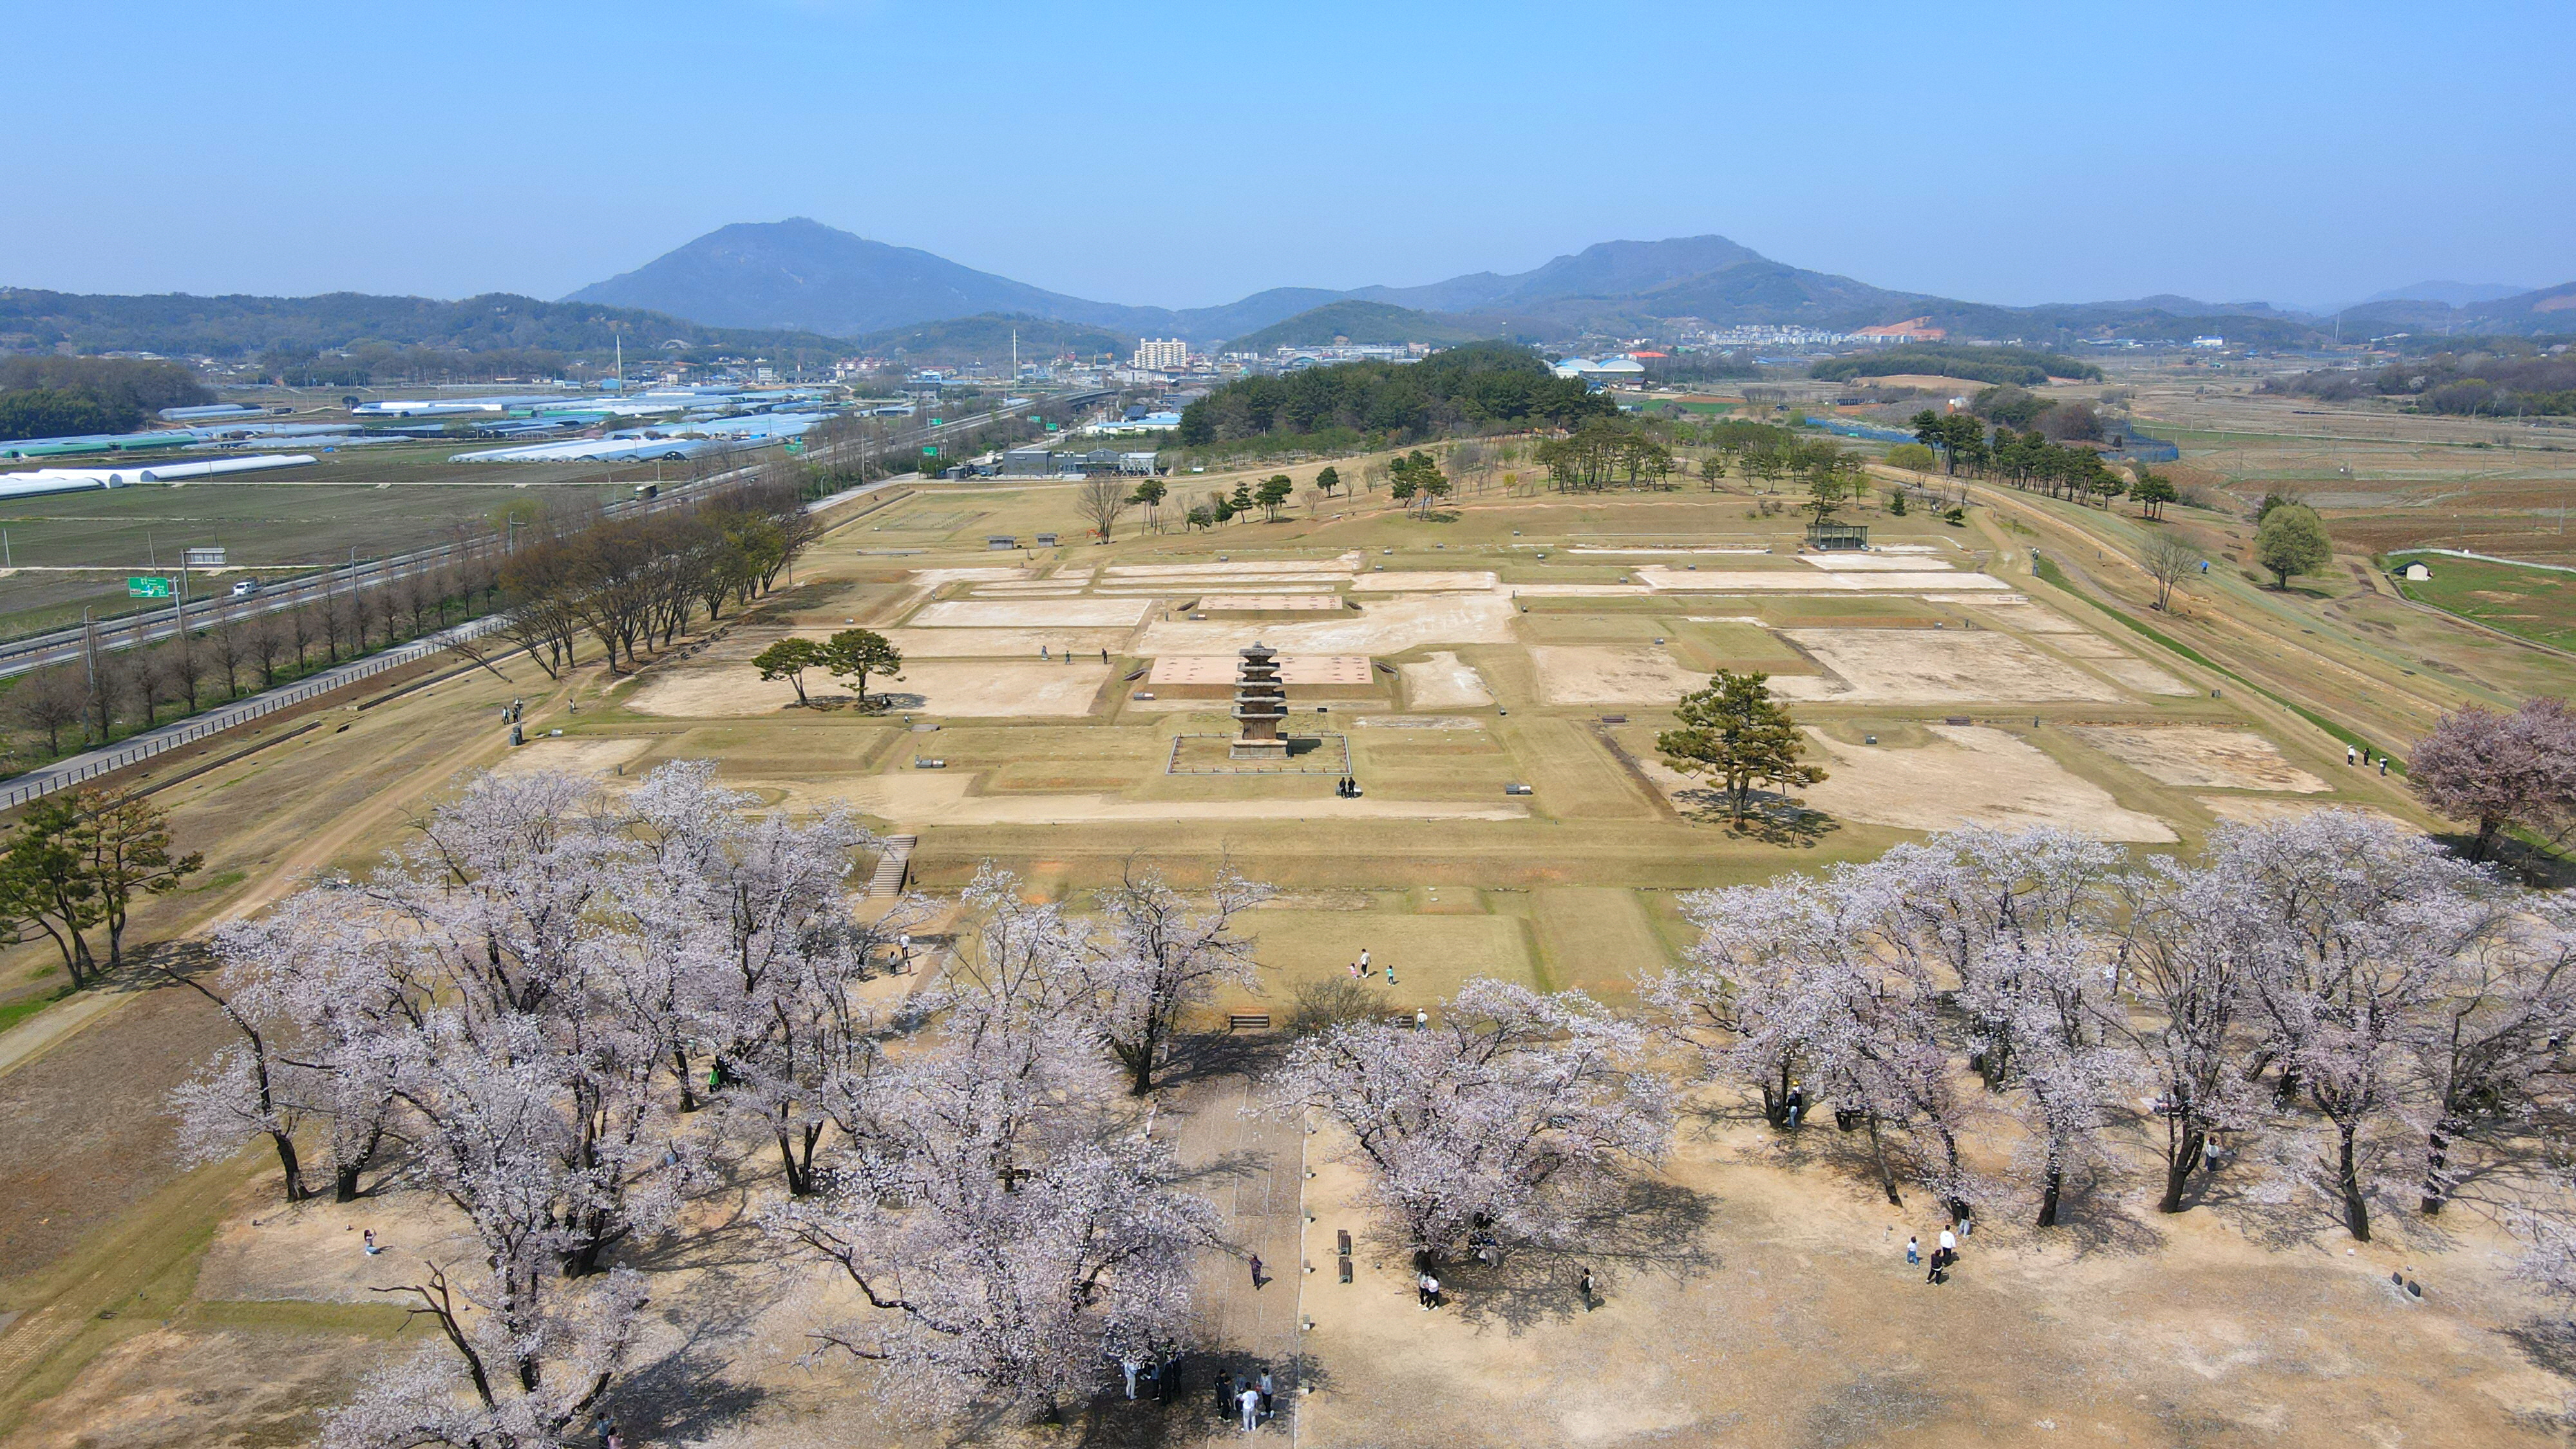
<point>2416,571</point>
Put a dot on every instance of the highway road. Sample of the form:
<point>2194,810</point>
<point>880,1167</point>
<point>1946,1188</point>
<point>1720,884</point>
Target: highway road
<point>65,646</point>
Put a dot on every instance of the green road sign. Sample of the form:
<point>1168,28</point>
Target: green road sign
<point>147,587</point>
<point>935,422</point>
<point>795,447</point>
<point>930,452</point>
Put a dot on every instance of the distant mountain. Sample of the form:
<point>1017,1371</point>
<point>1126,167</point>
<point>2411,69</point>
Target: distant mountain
<point>989,337</point>
<point>1354,321</point>
<point>802,274</point>
<point>2450,294</point>
<point>2549,309</point>
<point>239,326</point>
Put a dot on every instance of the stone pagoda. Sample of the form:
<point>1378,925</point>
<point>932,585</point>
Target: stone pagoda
<point>1260,705</point>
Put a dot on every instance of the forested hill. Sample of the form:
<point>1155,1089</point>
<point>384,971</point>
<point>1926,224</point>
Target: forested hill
<point>1364,323</point>
<point>2017,365</point>
<point>989,336</point>
<point>245,326</point>
<point>1478,384</point>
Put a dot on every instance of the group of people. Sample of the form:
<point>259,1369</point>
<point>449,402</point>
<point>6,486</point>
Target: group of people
<point>1066,655</point>
<point>1944,1252</point>
<point>2361,757</point>
<point>1348,787</point>
<point>1361,970</point>
<point>1253,1400</point>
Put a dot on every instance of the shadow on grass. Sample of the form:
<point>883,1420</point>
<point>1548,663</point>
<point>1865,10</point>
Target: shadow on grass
<point>1652,1227</point>
<point>1771,819</point>
<point>1195,1395</point>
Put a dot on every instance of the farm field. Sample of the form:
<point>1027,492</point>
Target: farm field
<point>1758,1295</point>
<point>2534,603</point>
<point>75,550</point>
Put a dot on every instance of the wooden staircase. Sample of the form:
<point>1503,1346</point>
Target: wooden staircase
<point>894,868</point>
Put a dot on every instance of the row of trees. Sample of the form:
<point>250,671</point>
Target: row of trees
<point>566,1014</point>
<point>2336,974</point>
<point>234,647</point>
<point>2026,459</point>
<point>633,583</point>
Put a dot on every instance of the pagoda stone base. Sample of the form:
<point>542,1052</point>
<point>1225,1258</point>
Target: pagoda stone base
<point>1251,749</point>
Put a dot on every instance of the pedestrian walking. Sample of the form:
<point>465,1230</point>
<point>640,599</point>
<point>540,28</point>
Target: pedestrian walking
<point>616,1439</point>
<point>2347,754</point>
<point>1129,1366</point>
<point>1421,1019</point>
<point>1949,1242</point>
<point>1364,961</point>
<point>1586,1285</point>
<point>1390,976</point>
<point>1104,656</point>
<point>1250,1399</point>
<point>1422,1289</point>
<point>1257,1279</point>
<point>1431,1290</point>
<point>2383,766</point>
<point>1265,1388</point>
<point>1913,1252</point>
<point>1043,654</point>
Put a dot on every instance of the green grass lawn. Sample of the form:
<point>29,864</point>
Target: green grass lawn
<point>2534,603</point>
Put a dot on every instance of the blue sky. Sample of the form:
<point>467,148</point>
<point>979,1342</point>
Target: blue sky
<point>1186,156</point>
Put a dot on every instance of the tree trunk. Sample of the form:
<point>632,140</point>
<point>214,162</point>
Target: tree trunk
<point>688,1087</point>
<point>1878,1155</point>
<point>2356,1213</point>
<point>2437,1156</point>
<point>294,1172</point>
<point>2048,1195</point>
<point>2178,1168</point>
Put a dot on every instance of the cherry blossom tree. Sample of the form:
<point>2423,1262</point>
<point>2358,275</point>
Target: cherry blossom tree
<point>2020,921</point>
<point>1163,955</point>
<point>2183,1016</point>
<point>759,953</point>
<point>2500,770</point>
<point>1817,986</point>
<point>2347,925</point>
<point>2499,1019</point>
<point>1518,1109</point>
<point>1007,1222</point>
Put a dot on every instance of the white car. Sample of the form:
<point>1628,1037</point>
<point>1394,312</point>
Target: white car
<point>244,588</point>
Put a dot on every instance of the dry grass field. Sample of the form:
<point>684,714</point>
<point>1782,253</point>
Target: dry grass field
<point>1758,1298</point>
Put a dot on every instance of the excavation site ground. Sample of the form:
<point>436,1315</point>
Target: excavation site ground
<point>1495,679</point>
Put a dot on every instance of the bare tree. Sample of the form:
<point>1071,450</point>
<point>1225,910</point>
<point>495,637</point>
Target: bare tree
<point>48,700</point>
<point>2168,558</point>
<point>1102,500</point>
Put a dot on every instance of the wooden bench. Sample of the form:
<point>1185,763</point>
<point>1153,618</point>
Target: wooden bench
<point>1248,1021</point>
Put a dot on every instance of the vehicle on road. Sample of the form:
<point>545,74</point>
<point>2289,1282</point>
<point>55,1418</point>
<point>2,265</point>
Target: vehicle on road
<point>244,588</point>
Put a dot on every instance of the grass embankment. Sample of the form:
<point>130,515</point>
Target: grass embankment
<point>2530,603</point>
<point>2049,572</point>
